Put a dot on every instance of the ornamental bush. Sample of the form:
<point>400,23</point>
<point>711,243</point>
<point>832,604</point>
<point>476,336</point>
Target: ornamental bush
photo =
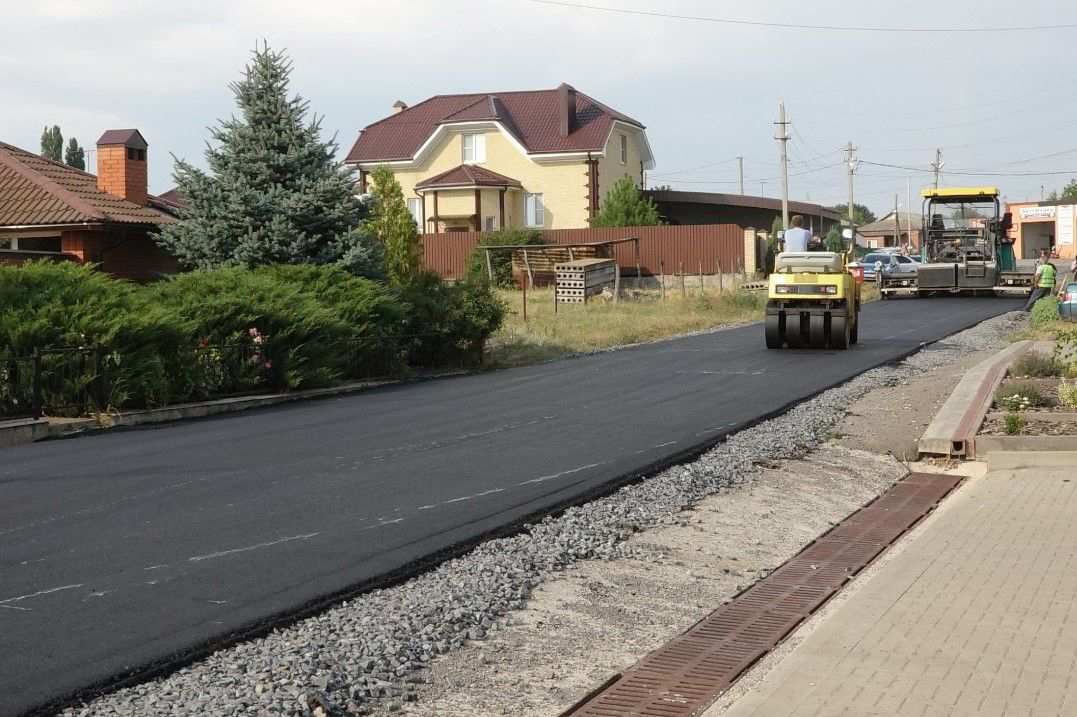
<point>232,330</point>
<point>1044,312</point>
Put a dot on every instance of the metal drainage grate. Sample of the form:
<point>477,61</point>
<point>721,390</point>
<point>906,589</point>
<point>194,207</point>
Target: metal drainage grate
<point>685,676</point>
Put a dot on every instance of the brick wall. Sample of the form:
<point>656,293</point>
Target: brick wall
<point>120,176</point>
<point>124,253</point>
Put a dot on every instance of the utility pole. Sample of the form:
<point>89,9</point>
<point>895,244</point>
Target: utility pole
<point>908,207</point>
<point>937,165</point>
<point>740,168</point>
<point>897,223</point>
<point>850,158</point>
<point>762,187</point>
<point>783,139</point>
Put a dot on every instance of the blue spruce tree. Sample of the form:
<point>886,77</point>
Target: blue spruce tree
<point>274,192</point>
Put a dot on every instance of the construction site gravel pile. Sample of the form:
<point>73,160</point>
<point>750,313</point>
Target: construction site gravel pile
<point>368,652</point>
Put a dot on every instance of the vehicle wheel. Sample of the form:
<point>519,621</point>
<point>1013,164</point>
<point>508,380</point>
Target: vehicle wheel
<point>774,331</point>
<point>840,331</point>
<point>794,330</point>
<point>854,333</point>
<point>817,331</point>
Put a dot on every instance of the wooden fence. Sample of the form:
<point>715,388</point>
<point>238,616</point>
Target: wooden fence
<point>693,248</point>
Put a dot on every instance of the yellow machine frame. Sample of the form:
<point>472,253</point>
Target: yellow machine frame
<point>819,307</point>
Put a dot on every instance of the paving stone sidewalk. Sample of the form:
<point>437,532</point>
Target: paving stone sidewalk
<point>972,614</point>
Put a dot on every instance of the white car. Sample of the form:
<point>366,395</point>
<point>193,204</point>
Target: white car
<point>889,263</point>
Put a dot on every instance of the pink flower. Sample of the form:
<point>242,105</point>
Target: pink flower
<point>268,364</point>
<point>252,331</point>
<point>258,339</point>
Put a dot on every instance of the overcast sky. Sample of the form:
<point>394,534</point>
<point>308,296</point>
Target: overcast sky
<point>706,91</point>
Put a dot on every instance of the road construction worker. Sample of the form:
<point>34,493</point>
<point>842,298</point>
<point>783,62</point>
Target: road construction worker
<point>797,238</point>
<point>1046,275</point>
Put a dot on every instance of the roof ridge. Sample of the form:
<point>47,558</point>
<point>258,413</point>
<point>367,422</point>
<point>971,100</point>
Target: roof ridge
<point>72,200</point>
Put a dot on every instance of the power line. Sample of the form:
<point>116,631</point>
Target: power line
<point>796,26</point>
<point>967,173</point>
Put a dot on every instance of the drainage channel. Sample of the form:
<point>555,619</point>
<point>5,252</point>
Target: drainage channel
<point>683,678</point>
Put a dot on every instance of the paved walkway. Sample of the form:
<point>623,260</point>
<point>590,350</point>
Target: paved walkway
<point>973,614</point>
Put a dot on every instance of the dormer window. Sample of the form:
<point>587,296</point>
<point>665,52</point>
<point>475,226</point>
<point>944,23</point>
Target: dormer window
<point>474,148</point>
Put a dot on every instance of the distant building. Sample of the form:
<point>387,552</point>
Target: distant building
<point>49,210</point>
<point>1043,225</point>
<point>758,213</point>
<point>893,230</point>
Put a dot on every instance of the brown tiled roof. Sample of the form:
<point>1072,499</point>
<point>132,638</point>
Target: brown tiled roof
<point>467,175</point>
<point>35,191</point>
<point>532,116</point>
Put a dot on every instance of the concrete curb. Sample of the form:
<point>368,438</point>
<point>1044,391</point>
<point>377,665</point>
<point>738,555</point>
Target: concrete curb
<point>989,444</point>
<point>13,433</point>
<point>17,432</point>
<point>953,430</point>
<point>1015,459</point>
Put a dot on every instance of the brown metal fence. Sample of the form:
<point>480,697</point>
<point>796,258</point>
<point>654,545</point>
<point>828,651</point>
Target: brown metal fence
<point>694,248</point>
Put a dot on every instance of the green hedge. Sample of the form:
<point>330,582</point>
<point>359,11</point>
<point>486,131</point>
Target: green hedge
<point>232,330</point>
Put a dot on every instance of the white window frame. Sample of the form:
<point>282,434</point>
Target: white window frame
<point>478,147</point>
<point>415,209</point>
<point>534,210</point>
<point>14,243</point>
<point>624,149</point>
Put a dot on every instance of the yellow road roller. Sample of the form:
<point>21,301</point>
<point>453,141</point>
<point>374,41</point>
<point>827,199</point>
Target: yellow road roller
<point>813,301</point>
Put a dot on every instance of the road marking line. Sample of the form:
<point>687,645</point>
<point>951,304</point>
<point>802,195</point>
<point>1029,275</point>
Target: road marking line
<point>20,598</point>
<point>542,479</point>
<point>222,553</point>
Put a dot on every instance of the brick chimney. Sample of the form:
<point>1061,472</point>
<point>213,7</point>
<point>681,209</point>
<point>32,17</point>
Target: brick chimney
<point>121,165</point>
<point>566,105</point>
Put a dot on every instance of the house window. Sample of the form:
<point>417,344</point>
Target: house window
<point>536,214</point>
<point>415,208</point>
<point>474,148</point>
<point>490,224</point>
<point>50,245</point>
<point>624,149</point>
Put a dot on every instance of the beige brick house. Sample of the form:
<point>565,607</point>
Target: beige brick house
<point>481,162</point>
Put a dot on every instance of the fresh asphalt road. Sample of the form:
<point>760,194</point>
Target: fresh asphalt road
<point>125,548</point>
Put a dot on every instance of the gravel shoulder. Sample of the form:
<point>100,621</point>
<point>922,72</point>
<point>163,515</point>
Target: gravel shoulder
<point>530,623</point>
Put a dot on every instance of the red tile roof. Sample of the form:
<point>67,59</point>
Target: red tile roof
<point>533,117</point>
<point>468,175</point>
<point>35,191</point>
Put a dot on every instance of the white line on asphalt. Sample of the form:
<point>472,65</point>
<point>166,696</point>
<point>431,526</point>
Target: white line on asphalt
<point>542,479</point>
<point>667,443</point>
<point>210,556</point>
<point>20,598</point>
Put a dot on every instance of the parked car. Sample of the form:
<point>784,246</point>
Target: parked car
<point>1067,308</point>
<point>888,262</point>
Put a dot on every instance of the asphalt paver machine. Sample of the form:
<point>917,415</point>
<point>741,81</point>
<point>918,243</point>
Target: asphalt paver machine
<point>965,248</point>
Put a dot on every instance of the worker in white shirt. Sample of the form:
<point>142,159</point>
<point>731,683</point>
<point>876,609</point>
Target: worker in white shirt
<point>797,238</point>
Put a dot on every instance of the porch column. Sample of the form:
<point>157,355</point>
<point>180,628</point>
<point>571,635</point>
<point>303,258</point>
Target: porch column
<point>437,219</point>
<point>501,207</point>
<point>478,210</point>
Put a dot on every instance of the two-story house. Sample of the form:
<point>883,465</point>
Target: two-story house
<point>481,162</point>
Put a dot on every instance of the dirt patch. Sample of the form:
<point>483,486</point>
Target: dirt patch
<point>603,616</point>
<point>891,420</point>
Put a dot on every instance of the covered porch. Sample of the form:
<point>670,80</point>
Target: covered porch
<point>466,198</point>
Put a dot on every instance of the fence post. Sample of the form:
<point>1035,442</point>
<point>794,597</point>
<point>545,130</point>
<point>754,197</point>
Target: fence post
<point>35,390</point>
<point>718,266</point>
<point>684,289</point>
<point>662,277</point>
<point>99,377</point>
<point>616,283</point>
<point>702,290</point>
